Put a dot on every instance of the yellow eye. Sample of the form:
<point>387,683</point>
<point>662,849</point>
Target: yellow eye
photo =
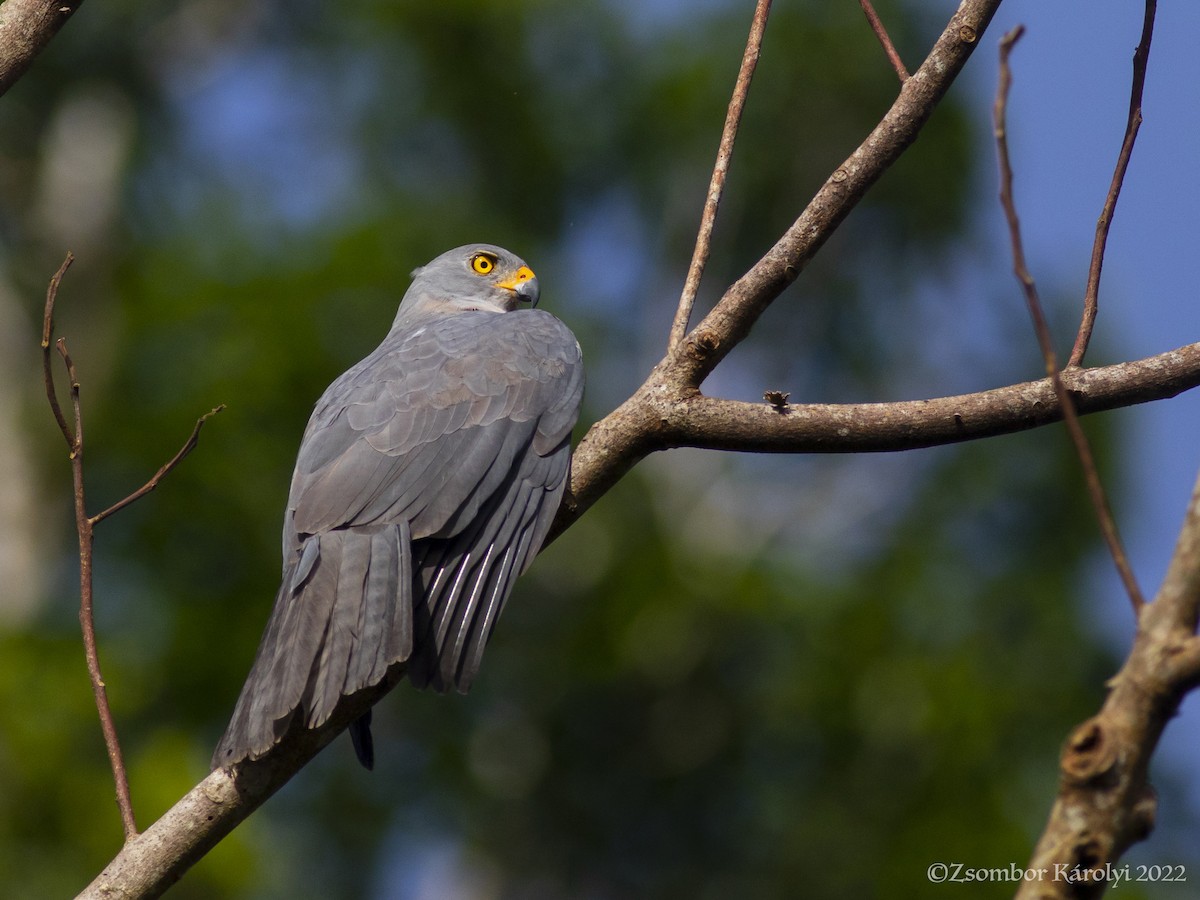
<point>483,263</point>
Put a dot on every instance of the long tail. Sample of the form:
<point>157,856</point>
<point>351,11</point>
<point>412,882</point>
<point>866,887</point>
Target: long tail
<point>343,615</point>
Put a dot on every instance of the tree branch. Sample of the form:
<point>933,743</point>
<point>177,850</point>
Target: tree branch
<point>669,411</point>
<point>157,858</point>
<point>710,423</point>
<point>26,27</point>
<point>1096,493</point>
<point>72,433</point>
<point>148,864</point>
<point>885,39</point>
<point>659,418</point>
<point>1091,298</point>
<point>615,444</point>
<point>736,312</point>
<point>1105,802</point>
<point>188,446</point>
<point>716,186</point>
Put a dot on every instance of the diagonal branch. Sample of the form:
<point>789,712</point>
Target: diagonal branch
<point>885,40</point>
<point>1105,802</point>
<point>26,27</point>
<point>728,323</point>
<point>615,444</point>
<point>1091,297</point>
<point>1096,492</point>
<point>154,860</point>
<point>717,185</point>
<point>188,446</point>
<point>150,863</point>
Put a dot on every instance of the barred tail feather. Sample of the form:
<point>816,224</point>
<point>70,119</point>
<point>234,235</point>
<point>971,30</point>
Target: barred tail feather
<point>343,615</point>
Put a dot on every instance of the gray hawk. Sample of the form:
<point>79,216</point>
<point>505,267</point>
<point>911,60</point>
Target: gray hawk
<point>426,482</point>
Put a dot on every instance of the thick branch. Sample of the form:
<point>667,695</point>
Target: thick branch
<point>158,857</point>
<point>26,27</point>
<point>1105,802</point>
<point>154,860</point>
<point>737,311</point>
<point>659,417</point>
<point>616,443</point>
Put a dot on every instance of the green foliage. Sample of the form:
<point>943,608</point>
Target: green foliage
<point>672,707</point>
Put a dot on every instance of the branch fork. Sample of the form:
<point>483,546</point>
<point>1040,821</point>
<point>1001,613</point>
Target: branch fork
<point>84,524</point>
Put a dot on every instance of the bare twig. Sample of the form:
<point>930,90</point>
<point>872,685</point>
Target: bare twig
<point>1099,498</point>
<point>1091,297</point>
<point>884,40</point>
<point>175,460</point>
<point>87,621</point>
<point>84,525</point>
<point>730,320</point>
<point>716,186</point>
<point>47,362</point>
<point>616,443</point>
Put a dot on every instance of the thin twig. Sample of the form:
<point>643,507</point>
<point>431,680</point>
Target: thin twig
<point>47,331</point>
<point>729,321</point>
<point>716,186</point>
<point>175,460</point>
<point>1108,525</point>
<point>1091,297</point>
<point>885,41</point>
<point>84,525</point>
<point>87,621</point>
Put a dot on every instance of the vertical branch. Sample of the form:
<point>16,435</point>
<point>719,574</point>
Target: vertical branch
<point>716,185</point>
<point>1105,802</point>
<point>47,363</point>
<point>73,434</point>
<point>885,40</point>
<point>85,527</point>
<point>1104,516</point>
<point>87,620</point>
<point>1091,297</point>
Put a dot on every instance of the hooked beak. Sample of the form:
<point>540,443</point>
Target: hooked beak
<point>524,284</point>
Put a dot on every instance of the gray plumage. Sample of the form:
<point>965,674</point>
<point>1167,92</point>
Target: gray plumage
<point>425,484</point>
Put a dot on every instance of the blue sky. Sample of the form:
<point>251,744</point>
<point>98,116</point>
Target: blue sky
<point>1067,114</point>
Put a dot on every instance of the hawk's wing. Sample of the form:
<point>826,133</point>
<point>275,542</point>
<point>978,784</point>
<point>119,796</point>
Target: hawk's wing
<point>459,428</point>
<point>426,482</point>
<point>433,423</point>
